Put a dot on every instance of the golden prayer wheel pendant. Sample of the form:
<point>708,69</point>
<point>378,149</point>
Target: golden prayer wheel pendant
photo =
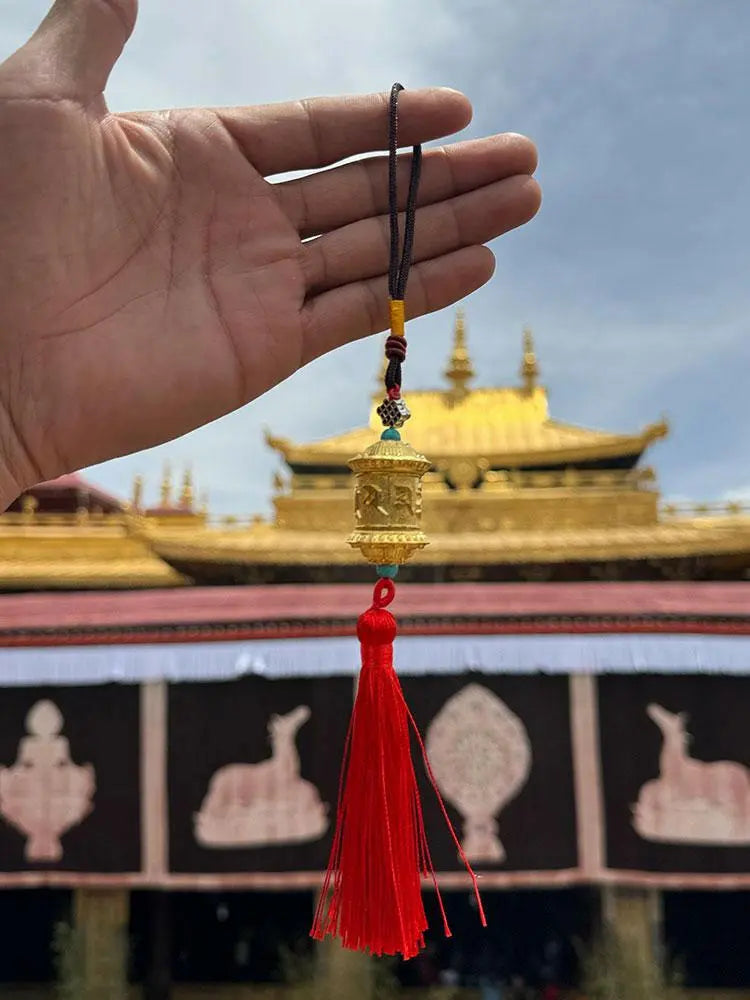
<point>388,501</point>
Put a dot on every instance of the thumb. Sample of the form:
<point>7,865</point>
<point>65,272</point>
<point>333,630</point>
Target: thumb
<point>76,46</point>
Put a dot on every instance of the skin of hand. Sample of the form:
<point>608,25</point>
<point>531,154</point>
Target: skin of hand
<point>153,279</point>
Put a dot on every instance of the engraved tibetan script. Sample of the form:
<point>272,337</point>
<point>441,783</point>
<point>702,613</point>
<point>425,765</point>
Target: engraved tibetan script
<point>386,501</point>
<point>369,498</point>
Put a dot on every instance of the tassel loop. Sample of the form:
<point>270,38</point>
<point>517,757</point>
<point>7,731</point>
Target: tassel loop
<point>376,626</point>
<point>384,592</point>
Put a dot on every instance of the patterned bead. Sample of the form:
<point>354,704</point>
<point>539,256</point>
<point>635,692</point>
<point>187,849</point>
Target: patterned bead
<point>393,412</point>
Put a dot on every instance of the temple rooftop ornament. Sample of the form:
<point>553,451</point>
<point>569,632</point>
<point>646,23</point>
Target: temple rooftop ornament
<point>165,490</point>
<point>136,501</point>
<point>186,492</point>
<point>529,366</point>
<point>176,509</point>
<point>460,370</point>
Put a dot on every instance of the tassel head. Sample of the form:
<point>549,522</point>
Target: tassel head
<point>372,893</point>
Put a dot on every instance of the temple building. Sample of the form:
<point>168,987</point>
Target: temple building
<point>175,690</point>
<point>513,495</point>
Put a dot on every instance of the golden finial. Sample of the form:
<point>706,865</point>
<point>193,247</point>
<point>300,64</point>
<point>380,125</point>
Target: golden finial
<point>529,365</point>
<point>166,487</point>
<point>29,505</point>
<point>204,503</point>
<point>186,493</point>
<point>137,501</point>
<point>459,371</point>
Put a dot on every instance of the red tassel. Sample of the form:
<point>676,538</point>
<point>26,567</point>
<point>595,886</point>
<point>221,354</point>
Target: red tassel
<point>380,853</point>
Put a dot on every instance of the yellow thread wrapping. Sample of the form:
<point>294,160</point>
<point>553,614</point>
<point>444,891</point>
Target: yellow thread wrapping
<point>398,316</point>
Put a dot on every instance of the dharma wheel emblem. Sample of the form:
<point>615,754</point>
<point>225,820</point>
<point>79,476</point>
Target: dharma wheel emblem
<point>481,758</point>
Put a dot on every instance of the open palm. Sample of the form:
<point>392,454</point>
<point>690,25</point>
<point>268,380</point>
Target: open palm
<point>152,279</point>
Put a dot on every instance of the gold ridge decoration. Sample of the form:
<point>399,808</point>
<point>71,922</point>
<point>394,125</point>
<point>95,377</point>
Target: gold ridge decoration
<point>388,501</point>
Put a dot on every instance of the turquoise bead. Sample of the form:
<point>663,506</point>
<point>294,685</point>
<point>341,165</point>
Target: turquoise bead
<point>390,434</point>
<point>390,571</point>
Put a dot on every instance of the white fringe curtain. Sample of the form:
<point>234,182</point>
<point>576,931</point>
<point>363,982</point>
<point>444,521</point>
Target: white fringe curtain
<point>415,655</point>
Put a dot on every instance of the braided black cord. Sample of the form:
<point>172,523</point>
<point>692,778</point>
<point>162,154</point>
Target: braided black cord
<point>394,267</point>
<point>399,264</point>
<point>411,211</point>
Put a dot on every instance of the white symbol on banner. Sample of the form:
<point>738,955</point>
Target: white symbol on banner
<point>480,755</point>
<point>253,805</point>
<point>44,793</point>
<point>692,801</point>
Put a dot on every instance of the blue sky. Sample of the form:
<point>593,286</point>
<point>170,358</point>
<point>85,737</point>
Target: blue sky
<point>634,275</point>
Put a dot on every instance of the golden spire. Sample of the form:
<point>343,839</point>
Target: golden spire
<point>459,371</point>
<point>529,367</point>
<point>186,494</point>
<point>29,505</point>
<point>137,501</point>
<point>166,487</point>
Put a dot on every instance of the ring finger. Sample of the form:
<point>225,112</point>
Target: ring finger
<point>361,250</point>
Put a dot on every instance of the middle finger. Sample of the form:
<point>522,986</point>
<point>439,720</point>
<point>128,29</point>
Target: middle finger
<point>329,199</point>
<point>361,250</point>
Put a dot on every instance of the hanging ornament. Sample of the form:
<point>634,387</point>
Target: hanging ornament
<point>372,892</point>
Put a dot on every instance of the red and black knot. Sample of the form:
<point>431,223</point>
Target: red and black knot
<point>395,349</point>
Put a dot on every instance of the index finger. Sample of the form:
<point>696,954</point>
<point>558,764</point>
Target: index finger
<point>304,135</point>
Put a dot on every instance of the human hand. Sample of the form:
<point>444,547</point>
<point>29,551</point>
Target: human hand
<point>152,279</point>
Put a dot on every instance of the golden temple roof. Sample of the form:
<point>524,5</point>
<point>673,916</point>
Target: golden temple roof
<point>69,534</point>
<point>515,436</point>
<point>270,544</point>
<point>509,427</point>
<point>509,486</point>
<point>48,552</point>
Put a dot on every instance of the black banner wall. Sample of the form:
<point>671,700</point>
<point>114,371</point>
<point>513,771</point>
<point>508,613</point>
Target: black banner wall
<point>675,757</point>
<point>240,778</point>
